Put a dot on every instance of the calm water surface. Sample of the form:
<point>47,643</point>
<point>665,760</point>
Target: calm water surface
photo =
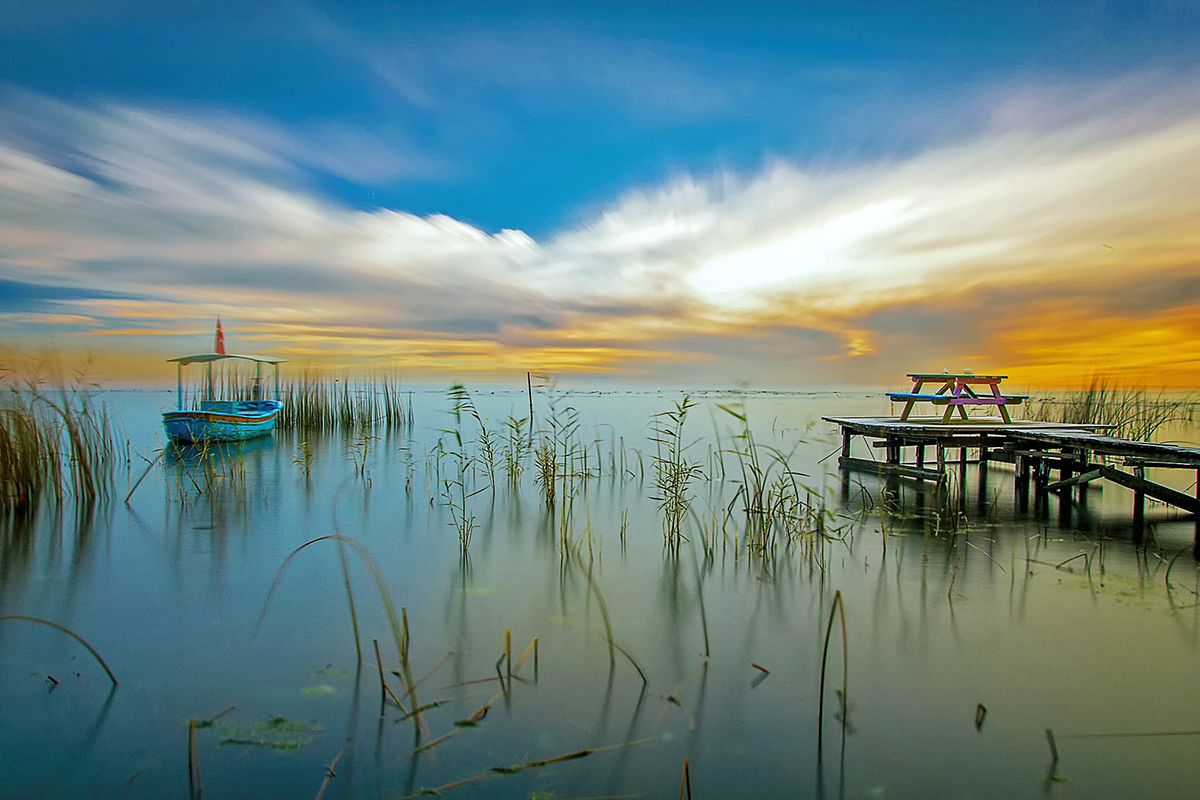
<point>948,607</point>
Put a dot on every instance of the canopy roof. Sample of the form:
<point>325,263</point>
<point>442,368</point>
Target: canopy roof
<point>203,358</point>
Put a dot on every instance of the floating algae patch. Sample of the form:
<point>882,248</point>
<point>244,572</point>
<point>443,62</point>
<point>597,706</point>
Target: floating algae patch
<point>319,689</point>
<point>280,733</point>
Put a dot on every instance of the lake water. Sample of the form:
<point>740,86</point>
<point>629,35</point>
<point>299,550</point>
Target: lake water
<point>947,607</point>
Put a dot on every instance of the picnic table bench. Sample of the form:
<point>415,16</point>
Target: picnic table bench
<point>956,392</point>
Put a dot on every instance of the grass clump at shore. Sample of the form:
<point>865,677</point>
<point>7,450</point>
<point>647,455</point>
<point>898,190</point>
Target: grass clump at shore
<point>1137,412</point>
<point>52,442</point>
<point>315,400</point>
<point>318,402</point>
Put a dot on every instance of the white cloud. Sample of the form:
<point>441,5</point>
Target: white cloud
<point>170,207</point>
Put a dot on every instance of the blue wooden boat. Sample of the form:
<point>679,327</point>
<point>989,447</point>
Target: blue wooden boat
<point>223,420</point>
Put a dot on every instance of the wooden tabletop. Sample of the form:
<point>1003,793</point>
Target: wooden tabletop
<point>951,376</point>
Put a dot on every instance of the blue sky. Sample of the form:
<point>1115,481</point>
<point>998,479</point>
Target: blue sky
<point>508,164</point>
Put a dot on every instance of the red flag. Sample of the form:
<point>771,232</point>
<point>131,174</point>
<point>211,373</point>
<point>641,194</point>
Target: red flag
<point>220,345</point>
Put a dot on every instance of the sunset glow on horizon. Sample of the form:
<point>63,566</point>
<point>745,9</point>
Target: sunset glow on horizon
<point>620,198</point>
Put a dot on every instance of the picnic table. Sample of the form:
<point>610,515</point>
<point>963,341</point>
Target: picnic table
<point>957,390</point>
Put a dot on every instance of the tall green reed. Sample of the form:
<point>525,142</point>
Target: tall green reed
<point>1136,412</point>
<point>673,472</point>
<point>315,400</point>
<point>53,441</point>
<point>774,502</point>
<point>454,484</point>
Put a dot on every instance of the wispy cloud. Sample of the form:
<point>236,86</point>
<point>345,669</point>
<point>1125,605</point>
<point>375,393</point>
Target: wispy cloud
<point>1058,236</point>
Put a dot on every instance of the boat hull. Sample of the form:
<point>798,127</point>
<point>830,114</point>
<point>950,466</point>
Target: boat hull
<point>222,422</point>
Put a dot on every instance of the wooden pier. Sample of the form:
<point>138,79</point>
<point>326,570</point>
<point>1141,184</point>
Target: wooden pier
<point>1080,453</point>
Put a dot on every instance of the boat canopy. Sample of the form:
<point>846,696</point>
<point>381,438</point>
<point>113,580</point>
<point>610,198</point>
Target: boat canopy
<point>204,358</point>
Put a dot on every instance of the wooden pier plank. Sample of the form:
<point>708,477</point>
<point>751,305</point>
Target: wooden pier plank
<point>1069,446</point>
<point>904,470</point>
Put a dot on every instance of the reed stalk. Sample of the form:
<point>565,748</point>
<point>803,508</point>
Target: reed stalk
<point>52,444</point>
<point>70,633</point>
<point>673,472</point>
<point>839,606</point>
<point>385,599</point>
<point>330,774</point>
<point>685,785</point>
<point>316,400</point>
<point>194,760</point>
<point>1136,412</point>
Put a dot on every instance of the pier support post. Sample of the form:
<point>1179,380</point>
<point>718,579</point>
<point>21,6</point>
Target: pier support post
<point>920,455</point>
<point>1139,509</point>
<point>1065,470</point>
<point>982,480</point>
<point>941,457</point>
<point>1041,479</point>
<point>845,443</point>
<point>1021,483</point>
<point>1196,535</point>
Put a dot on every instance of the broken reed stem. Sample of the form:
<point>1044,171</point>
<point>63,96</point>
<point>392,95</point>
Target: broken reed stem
<point>329,772</point>
<point>625,653</point>
<point>218,716</point>
<point>425,748</point>
<point>404,632</point>
<point>433,671</point>
<point>674,696</point>
<point>426,707</point>
<point>504,685</point>
<point>1167,576</point>
<point>532,648</point>
<point>508,652</point>
<point>685,785</point>
<point>382,683</point>
<point>70,633</point>
<point>479,713</point>
<point>194,759</point>
<point>612,655</point>
<point>1084,556</point>
<point>439,791</point>
<point>840,606</point>
<point>138,483</point>
<point>566,757</point>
